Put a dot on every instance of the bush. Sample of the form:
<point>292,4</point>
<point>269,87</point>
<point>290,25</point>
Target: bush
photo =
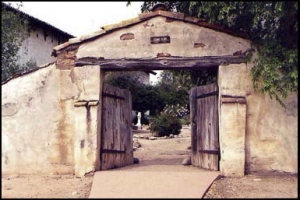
<point>185,121</point>
<point>164,125</point>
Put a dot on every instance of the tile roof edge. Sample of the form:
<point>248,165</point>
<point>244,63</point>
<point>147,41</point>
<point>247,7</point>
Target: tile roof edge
<point>122,24</point>
<point>79,39</point>
<point>105,29</point>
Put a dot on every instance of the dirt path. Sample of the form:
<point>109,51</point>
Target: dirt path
<point>254,186</point>
<point>52,186</point>
<point>154,155</point>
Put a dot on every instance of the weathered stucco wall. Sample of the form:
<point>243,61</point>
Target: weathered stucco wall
<point>272,143</point>
<point>183,37</point>
<point>79,92</point>
<point>232,138</point>
<point>42,131</point>
<point>34,136</point>
<point>271,133</point>
<point>87,144</point>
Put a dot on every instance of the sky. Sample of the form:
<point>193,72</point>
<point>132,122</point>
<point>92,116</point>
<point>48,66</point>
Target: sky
<point>81,18</point>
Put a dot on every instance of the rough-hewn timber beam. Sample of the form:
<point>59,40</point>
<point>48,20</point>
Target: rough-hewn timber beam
<point>160,63</point>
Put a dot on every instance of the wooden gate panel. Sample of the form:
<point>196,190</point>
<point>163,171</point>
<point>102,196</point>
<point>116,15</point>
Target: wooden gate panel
<point>107,131</point>
<point>116,147</point>
<point>204,126</point>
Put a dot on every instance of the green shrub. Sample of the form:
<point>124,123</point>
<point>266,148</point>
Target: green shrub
<point>185,121</point>
<point>164,125</point>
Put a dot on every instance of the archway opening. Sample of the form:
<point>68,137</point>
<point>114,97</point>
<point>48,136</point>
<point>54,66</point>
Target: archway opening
<point>165,150</point>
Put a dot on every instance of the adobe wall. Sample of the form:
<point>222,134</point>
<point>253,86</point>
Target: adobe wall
<point>259,136</point>
<point>35,129</point>
<point>80,91</point>
<point>44,128</point>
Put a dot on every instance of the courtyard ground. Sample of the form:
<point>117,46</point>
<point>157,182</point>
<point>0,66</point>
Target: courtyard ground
<point>153,154</point>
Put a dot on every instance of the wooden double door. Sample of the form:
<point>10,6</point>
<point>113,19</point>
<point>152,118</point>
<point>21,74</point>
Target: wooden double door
<point>116,139</point>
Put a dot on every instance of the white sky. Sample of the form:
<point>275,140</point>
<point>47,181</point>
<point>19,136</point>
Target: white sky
<point>80,18</point>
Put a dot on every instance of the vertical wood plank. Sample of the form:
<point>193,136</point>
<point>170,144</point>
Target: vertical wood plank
<point>104,129</point>
<point>107,127</point>
<point>116,132</point>
<point>105,110</point>
<point>129,146</point>
<point>193,113</point>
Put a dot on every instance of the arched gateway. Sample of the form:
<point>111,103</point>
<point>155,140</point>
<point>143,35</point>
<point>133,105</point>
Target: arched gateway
<point>156,41</point>
<point>234,128</point>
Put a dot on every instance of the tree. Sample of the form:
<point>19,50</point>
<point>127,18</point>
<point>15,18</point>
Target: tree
<point>150,97</point>
<point>272,27</point>
<point>14,30</point>
<point>144,97</point>
<point>187,79</point>
<point>176,84</point>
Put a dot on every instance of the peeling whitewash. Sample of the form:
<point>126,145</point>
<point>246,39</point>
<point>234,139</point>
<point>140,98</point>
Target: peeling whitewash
<point>47,129</point>
<point>40,133</point>
<point>32,116</point>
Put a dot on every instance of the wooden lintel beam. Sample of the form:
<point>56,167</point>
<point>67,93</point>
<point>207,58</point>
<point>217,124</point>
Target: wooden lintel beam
<point>161,63</point>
